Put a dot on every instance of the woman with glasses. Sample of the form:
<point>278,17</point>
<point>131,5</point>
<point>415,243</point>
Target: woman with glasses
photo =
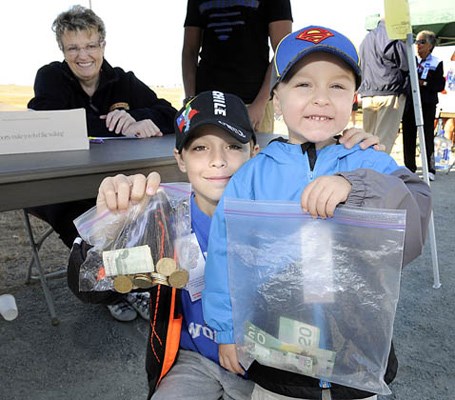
<point>430,72</point>
<point>116,104</point>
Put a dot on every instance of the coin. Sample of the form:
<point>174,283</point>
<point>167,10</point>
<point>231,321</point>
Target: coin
<point>123,284</point>
<point>179,279</point>
<point>166,266</point>
<point>159,279</point>
<point>142,281</point>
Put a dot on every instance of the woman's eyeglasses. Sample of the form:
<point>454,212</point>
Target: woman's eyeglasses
<point>90,49</point>
<point>421,41</point>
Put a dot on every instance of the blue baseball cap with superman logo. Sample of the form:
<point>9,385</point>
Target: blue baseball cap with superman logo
<point>311,39</point>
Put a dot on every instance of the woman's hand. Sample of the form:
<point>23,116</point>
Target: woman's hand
<point>118,120</point>
<point>142,129</point>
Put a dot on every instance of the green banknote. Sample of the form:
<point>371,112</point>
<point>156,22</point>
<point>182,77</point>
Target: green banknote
<point>273,352</point>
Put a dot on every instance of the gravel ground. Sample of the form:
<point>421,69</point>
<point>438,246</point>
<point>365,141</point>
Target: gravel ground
<point>90,356</point>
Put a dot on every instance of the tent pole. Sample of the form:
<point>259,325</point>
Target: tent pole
<point>423,154</point>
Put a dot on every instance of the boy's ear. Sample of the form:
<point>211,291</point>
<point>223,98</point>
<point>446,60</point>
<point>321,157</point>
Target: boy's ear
<point>180,162</point>
<point>254,150</point>
<point>276,103</point>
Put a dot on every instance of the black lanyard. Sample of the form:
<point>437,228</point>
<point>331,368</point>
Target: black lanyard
<point>307,147</point>
<point>310,149</point>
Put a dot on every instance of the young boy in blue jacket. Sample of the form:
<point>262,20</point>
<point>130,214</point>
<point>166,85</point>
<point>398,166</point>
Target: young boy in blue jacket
<point>314,80</point>
<point>214,138</point>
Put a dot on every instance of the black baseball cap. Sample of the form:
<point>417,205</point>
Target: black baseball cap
<point>224,110</point>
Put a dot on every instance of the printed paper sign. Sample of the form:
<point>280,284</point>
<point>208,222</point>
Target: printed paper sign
<point>37,131</point>
<point>397,18</point>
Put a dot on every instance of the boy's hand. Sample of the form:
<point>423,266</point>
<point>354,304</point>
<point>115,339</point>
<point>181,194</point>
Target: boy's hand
<point>117,192</point>
<point>352,136</point>
<point>228,358</point>
<point>322,195</point>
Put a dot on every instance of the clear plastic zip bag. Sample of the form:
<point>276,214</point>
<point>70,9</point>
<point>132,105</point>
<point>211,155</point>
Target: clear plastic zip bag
<point>136,249</point>
<point>315,296</point>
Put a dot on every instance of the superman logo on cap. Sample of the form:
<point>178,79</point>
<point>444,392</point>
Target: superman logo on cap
<point>315,35</point>
<point>184,120</point>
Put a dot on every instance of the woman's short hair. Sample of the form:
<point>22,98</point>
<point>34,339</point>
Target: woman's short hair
<point>430,38</point>
<point>78,18</point>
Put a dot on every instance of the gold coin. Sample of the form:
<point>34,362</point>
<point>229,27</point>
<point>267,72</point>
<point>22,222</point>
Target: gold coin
<point>179,279</point>
<point>159,279</point>
<point>123,284</point>
<point>142,281</point>
<point>166,266</point>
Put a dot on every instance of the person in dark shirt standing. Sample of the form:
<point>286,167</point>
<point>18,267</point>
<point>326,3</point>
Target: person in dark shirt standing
<point>226,48</point>
<point>430,72</point>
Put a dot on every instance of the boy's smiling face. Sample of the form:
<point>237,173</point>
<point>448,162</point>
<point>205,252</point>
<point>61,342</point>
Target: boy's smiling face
<point>210,159</point>
<point>316,102</point>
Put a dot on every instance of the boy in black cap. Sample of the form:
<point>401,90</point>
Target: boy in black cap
<point>314,80</point>
<point>214,137</point>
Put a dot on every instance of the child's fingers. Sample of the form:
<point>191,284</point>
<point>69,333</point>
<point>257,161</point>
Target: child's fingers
<point>351,137</point>
<point>122,186</point>
<point>321,196</point>
<point>368,141</point>
<point>116,193</point>
<point>107,195</point>
<point>379,147</point>
<point>137,189</point>
<point>311,197</point>
<point>153,182</point>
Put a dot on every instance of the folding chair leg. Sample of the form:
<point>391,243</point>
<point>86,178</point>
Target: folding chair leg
<point>35,246</point>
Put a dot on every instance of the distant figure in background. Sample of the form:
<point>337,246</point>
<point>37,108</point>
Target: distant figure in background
<point>385,76</point>
<point>449,123</point>
<point>116,104</point>
<point>226,48</point>
<point>430,72</point>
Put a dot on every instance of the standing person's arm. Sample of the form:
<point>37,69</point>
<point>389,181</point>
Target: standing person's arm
<point>190,55</point>
<point>256,110</point>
